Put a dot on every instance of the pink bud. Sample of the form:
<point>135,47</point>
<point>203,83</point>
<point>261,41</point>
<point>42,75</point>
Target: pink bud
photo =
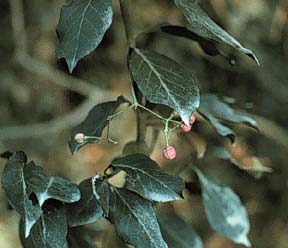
<point>169,152</point>
<point>185,128</point>
<point>80,138</point>
<point>192,119</point>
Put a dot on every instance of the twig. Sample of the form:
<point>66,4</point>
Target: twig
<point>49,127</point>
<point>34,66</point>
<point>95,94</point>
<point>56,76</point>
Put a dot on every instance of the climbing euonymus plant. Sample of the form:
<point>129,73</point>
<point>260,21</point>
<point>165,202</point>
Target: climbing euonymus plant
<point>53,209</point>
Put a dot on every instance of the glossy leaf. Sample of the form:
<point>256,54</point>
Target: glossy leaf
<point>178,233</point>
<point>50,230</point>
<point>145,177</point>
<point>87,210</point>
<point>213,109</point>
<point>201,24</point>
<point>81,28</point>
<point>163,81</point>
<point>224,210</point>
<point>94,124</point>
<point>49,187</point>
<point>15,187</point>
<point>135,220</point>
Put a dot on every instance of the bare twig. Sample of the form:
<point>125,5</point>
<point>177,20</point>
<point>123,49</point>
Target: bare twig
<point>56,76</point>
<point>49,127</point>
<point>40,68</point>
<point>94,93</point>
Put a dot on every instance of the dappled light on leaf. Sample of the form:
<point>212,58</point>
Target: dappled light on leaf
<point>161,80</point>
<point>224,210</point>
<point>145,177</point>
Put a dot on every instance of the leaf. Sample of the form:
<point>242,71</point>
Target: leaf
<point>145,177</point>
<point>101,188</point>
<point>94,123</point>
<point>162,81</point>
<point>14,185</point>
<point>87,210</point>
<point>213,108</point>
<point>81,28</point>
<point>201,24</point>
<point>49,187</point>
<point>50,230</point>
<point>224,210</point>
<point>178,233</point>
<point>135,220</point>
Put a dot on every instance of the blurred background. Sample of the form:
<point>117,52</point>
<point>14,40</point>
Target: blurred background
<point>40,102</point>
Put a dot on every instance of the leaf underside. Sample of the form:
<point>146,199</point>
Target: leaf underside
<point>50,230</point>
<point>201,24</point>
<point>145,177</point>
<point>214,109</point>
<point>224,210</point>
<point>14,185</point>
<point>81,28</point>
<point>163,81</point>
<point>46,187</point>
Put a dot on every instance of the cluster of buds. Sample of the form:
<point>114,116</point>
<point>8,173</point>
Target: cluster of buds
<point>170,152</point>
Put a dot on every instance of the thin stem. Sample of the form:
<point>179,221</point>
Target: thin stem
<point>108,135</point>
<point>120,112</point>
<point>134,98</point>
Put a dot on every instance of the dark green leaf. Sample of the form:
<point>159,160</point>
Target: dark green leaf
<point>46,187</point>
<point>213,108</point>
<point>178,233</point>
<point>201,24</point>
<point>94,124</point>
<point>87,210</point>
<point>81,28</point>
<point>50,230</point>
<point>135,219</point>
<point>101,188</point>
<point>224,210</point>
<point>14,185</point>
<point>163,81</point>
<point>80,237</point>
<point>145,177</point>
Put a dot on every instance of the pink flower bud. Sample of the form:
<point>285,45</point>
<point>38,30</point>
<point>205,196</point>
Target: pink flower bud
<point>80,138</point>
<point>169,152</point>
<point>192,119</point>
<point>185,128</point>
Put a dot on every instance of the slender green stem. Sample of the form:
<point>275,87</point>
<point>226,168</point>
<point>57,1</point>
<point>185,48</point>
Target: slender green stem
<point>120,112</point>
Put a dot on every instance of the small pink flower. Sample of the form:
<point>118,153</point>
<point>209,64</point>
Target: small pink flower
<point>185,128</point>
<point>169,152</point>
<point>80,138</point>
